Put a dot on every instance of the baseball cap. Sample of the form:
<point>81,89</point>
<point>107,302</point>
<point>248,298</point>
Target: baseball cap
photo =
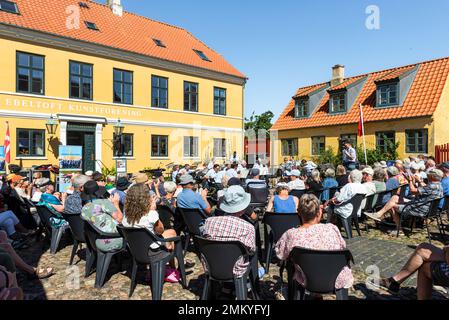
<point>186,179</point>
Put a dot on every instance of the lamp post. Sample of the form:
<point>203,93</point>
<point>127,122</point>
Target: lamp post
<point>51,125</point>
<point>118,132</point>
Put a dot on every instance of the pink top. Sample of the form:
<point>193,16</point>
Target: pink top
<point>316,237</point>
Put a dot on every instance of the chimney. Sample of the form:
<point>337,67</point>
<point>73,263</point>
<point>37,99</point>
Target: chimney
<point>338,75</point>
<point>116,7</point>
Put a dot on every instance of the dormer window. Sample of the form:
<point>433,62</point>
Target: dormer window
<point>337,102</point>
<point>388,95</point>
<point>9,6</point>
<point>301,108</point>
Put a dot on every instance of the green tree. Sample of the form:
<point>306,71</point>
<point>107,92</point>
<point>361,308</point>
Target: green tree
<point>259,122</point>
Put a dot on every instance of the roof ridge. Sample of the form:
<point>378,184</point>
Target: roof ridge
<point>383,70</point>
<point>137,15</point>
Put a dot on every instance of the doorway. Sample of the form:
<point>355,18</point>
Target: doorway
<point>81,134</point>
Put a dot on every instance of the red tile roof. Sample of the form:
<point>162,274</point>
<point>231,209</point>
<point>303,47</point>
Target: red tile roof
<point>422,99</point>
<point>302,92</point>
<point>129,32</point>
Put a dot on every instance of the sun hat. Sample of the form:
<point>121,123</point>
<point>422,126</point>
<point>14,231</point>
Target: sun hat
<point>140,178</point>
<point>282,185</point>
<point>186,179</point>
<point>415,166</point>
<point>122,184</point>
<point>436,172</point>
<point>383,164</point>
<point>296,173</point>
<point>393,171</point>
<point>89,173</point>
<point>235,200</point>
<point>91,190</point>
<point>368,171</point>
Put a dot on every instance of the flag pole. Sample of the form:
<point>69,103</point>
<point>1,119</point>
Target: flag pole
<point>363,134</point>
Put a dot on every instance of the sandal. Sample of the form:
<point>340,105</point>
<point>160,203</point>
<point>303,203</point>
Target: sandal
<point>40,274</point>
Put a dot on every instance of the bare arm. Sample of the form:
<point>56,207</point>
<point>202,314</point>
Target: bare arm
<point>270,205</point>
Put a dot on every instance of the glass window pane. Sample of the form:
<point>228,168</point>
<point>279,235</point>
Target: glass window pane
<point>75,68</point>
<point>87,70</point>
<point>23,60</point>
<point>37,62</point>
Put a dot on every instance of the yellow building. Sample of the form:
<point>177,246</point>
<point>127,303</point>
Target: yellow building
<point>89,65</point>
<point>406,105</point>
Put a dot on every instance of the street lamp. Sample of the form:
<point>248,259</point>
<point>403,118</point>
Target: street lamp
<point>118,128</point>
<point>118,132</point>
<point>52,125</point>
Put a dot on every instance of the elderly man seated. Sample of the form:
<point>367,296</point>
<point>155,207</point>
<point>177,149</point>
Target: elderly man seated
<point>341,205</point>
<point>420,205</point>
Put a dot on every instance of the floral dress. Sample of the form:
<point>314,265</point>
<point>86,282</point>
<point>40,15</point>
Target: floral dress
<point>99,213</point>
<point>316,237</point>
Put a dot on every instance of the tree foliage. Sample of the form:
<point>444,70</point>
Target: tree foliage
<point>259,122</point>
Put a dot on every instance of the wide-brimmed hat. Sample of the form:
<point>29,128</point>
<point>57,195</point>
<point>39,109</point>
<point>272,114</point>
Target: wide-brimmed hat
<point>296,173</point>
<point>140,178</point>
<point>91,190</point>
<point>235,200</point>
<point>368,171</point>
<point>186,179</point>
<point>393,171</point>
<point>383,164</point>
<point>122,184</point>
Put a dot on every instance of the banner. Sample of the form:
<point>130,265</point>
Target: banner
<point>2,159</point>
<point>70,161</point>
<point>71,158</point>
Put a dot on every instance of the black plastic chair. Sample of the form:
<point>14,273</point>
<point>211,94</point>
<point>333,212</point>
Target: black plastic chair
<point>297,193</point>
<point>321,270</point>
<point>432,213</point>
<point>192,219</point>
<point>139,241</point>
<point>166,215</point>
<point>279,224</point>
<point>347,223</point>
<point>103,259</point>
<point>220,258</point>
<point>56,233</point>
<point>259,196</point>
<point>77,229</point>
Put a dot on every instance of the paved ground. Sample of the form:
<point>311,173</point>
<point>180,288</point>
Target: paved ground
<point>375,248</point>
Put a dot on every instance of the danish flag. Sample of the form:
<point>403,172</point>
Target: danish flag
<point>7,144</point>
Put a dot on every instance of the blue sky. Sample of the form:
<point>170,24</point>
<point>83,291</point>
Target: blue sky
<point>282,45</point>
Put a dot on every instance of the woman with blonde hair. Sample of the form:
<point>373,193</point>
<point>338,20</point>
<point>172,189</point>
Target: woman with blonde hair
<point>342,176</point>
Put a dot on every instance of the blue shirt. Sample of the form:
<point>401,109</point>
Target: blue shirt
<point>445,186</point>
<point>284,206</point>
<point>328,183</point>
<point>188,199</point>
<point>391,184</point>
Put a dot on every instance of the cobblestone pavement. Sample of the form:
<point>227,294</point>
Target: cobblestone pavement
<point>374,248</point>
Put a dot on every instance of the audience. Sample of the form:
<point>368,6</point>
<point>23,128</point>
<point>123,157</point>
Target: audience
<point>105,214</point>
<point>329,182</point>
<point>417,207</point>
<point>296,183</point>
<point>282,202</point>
<point>341,204</point>
<point>74,204</point>
<point>188,199</point>
<point>313,235</point>
<point>342,176</point>
<point>231,227</point>
<point>432,265</point>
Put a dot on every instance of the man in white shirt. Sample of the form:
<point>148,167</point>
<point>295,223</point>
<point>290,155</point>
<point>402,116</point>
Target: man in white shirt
<point>212,173</point>
<point>175,173</point>
<point>232,172</point>
<point>295,182</point>
<point>342,207</point>
<point>368,183</point>
<point>234,158</point>
<point>255,180</point>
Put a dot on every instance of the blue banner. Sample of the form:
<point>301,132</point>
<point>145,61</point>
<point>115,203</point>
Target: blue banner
<point>70,158</point>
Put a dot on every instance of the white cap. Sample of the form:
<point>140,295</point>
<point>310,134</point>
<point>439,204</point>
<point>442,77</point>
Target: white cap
<point>89,173</point>
<point>295,173</point>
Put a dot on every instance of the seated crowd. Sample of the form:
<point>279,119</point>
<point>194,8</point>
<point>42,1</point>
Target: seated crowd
<point>223,196</point>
